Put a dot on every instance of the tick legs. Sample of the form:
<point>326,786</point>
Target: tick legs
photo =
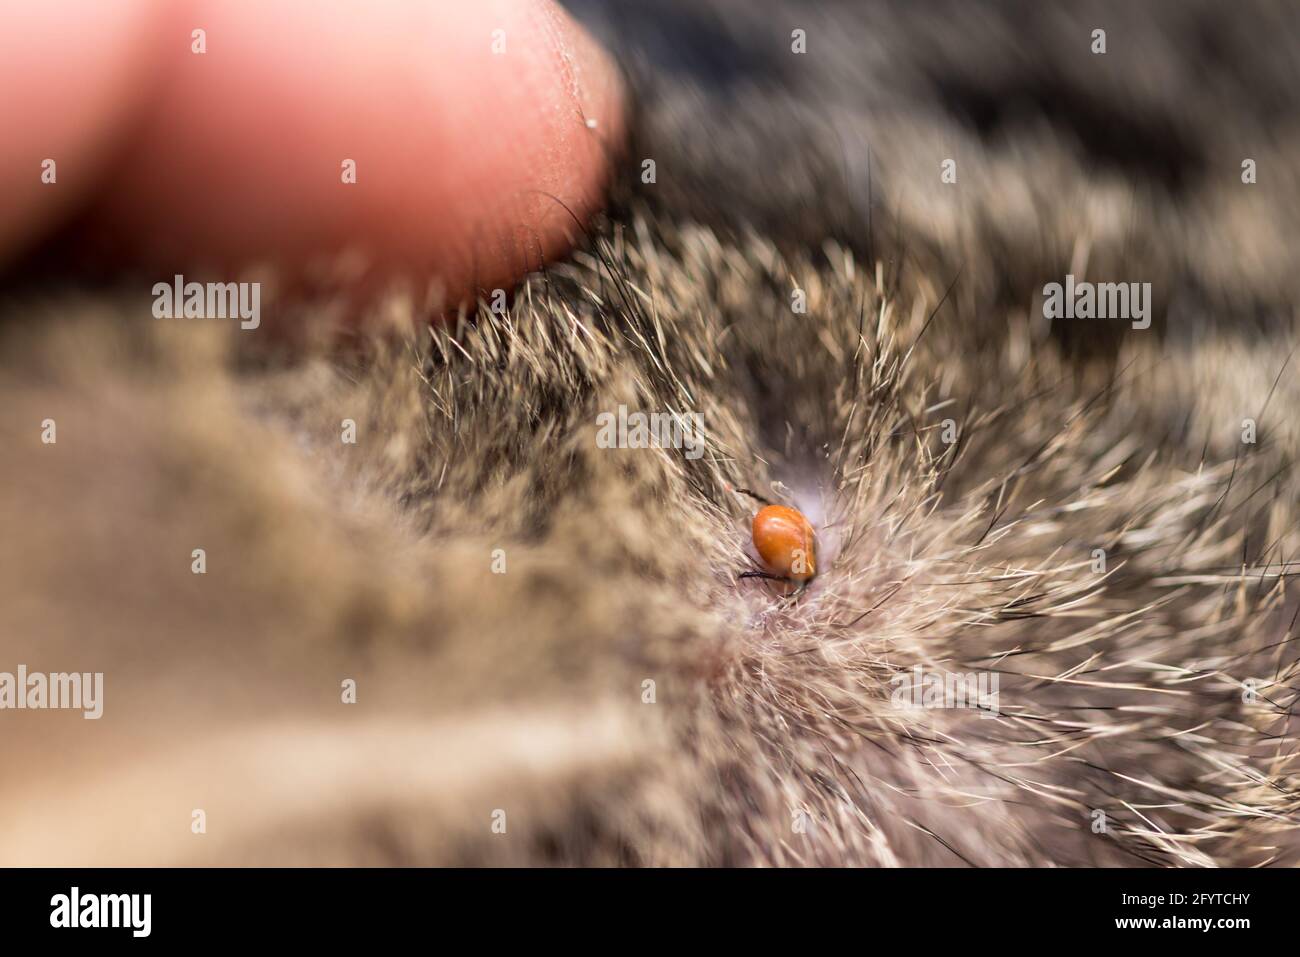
<point>803,585</point>
<point>772,578</point>
<point>753,495</point>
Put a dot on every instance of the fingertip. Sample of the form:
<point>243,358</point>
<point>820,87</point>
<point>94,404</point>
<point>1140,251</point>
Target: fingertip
<point>74,74</point>
<point>454,145</point>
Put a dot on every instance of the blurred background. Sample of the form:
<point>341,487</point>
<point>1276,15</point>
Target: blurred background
<point>1125,164</point>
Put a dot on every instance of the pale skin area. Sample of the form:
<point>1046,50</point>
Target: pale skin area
<point>466,158</point>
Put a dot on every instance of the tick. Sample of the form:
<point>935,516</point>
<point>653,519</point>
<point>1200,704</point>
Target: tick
<point>786,542</point>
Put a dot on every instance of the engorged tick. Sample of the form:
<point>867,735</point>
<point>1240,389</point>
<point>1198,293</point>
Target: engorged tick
<point>786,542</point>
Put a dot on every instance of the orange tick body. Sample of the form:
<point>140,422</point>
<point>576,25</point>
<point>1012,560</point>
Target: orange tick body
<point>786,542</point>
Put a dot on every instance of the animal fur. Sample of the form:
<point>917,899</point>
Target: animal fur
<point>1159,692</point>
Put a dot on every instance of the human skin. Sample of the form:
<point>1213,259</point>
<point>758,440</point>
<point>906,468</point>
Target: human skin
<point>472,165</point>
